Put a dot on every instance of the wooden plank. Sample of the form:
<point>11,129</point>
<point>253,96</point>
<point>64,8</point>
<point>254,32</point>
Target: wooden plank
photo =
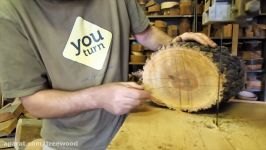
<point>242,126</point>
<point>29,116</point>
<point>235,39</point>
<point>6,142</point>
<point>209,30</point>
<point>27,130</point>
<point>35,145</point>
<point>7,127</point>
<point>11,111</point>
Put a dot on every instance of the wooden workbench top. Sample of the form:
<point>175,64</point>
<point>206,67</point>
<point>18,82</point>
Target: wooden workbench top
<point>242,127</point>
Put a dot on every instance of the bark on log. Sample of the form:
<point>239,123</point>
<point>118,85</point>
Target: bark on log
<point>188,76</point>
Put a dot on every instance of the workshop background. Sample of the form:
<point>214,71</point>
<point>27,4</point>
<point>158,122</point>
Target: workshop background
<point>174,17</point>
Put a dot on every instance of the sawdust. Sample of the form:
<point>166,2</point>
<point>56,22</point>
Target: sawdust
<point>239,131</point>
<point>241,127</point>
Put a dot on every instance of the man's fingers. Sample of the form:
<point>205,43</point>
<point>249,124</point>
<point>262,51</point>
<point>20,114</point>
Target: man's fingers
<point>138,94</point>
<point>133,85</point>
<point>189,36</point>
<point>198,37</point>
<point>177,39</point>
<point>207,39</point>
<point>132,102</point>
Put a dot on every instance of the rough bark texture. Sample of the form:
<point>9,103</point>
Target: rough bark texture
<point>230,71</point>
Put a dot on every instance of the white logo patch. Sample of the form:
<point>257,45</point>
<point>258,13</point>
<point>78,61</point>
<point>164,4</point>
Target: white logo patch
<point>88,44</point>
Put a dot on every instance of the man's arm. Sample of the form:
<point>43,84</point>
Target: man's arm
<point>153,38</point>
<point>117,98</point>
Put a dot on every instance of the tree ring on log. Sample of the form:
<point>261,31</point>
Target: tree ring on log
<point>188,76</point>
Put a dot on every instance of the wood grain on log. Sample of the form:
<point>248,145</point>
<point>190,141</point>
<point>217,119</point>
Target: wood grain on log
<point>188,76</point>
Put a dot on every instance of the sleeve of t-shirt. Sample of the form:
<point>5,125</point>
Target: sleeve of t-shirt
<point>138,20</point>
<point>21,74</point>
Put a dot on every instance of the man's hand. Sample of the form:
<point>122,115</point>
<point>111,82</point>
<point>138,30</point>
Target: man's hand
<point>198,37</point>
<point>120,98</point>
<point>117,98</point>
<point>154,38</point>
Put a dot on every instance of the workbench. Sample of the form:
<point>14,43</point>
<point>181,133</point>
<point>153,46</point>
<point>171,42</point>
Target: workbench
<point>242,126</point>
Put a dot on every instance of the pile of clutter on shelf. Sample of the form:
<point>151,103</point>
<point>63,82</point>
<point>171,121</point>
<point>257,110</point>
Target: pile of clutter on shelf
<point>139,53</point>
<point>251,53</point>
<point>182,7</point>
<point>165,8</point>
<point>253,30</point>
<point>171,8</point>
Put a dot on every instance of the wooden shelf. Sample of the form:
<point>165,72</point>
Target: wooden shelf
<point>252,59</point>
<point>135,63</point>
<point>254,90</point>
<point>262,14</point>
<point>240,38</point>
<point>218,38</point>
<point>226,38</point>
<point>255,71</point>
<point>174,16</point>
<point>253,38</point>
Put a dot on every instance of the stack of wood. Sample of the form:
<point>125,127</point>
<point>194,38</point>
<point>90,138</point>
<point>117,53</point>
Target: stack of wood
<point>253,30</point>
<point>12,118</point>
<point>260,30</point>
<point>249,32</point>
<point>226,30</point>
<point>170,8</point>
<point>171,30</point>
<point>186,7</point>
<point>137,55</point>
<point>28,130</point>
<point>9,116</point>
<point>162,25</point>
<point>252,54</point>
<point>153,8</point>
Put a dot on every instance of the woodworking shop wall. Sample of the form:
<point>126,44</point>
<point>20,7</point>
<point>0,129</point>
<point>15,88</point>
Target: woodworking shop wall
<point>246,40</point>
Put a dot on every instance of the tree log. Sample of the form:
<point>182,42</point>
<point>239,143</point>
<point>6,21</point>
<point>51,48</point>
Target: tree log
<point>192,77</point>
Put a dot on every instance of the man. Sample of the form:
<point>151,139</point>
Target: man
<point>66,59</point>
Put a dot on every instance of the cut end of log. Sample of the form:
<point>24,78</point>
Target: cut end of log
<point>188,76</point>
